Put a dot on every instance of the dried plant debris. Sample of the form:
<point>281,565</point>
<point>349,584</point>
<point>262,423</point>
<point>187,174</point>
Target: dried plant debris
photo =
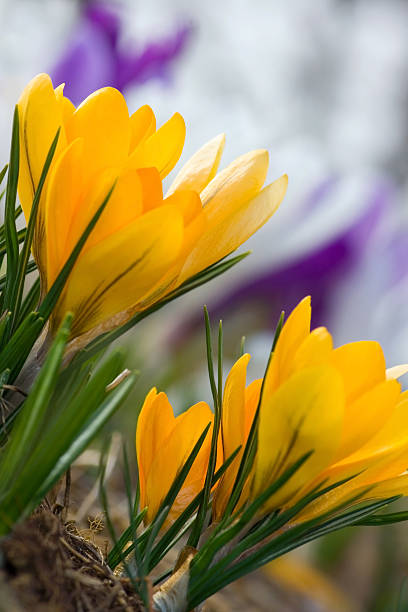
<point>46,566</point>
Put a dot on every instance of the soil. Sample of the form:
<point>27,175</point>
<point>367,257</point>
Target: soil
<point>47,566</point>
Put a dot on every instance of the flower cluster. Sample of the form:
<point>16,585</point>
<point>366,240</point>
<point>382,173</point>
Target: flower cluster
<point>144,245</point>
<point>340,405</point>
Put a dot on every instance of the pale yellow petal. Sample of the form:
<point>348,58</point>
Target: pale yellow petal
<point>235,185</point>
<point>201,167</point>
<point>396,371</point>
<point>232,227</point>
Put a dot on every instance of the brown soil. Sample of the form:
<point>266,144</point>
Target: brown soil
<point>46,566</point>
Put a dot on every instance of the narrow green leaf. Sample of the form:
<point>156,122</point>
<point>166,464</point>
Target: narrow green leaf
<point>19,281</point>
<point>29,426</point>
<point>198,524</point>
<point>10,207</point>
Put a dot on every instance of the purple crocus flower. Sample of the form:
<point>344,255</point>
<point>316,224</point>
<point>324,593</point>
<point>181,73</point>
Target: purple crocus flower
<point>94,57</point>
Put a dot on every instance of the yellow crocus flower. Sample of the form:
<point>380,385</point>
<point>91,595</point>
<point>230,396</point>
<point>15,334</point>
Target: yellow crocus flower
<point>144,245</point>
<point>341,403</point>
<point>163,444</point>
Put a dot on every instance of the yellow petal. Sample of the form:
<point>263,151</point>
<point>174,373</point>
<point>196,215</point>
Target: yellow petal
<point>155,423</point>
<point>354,493</point>
<point>62,199</point>
<point>389,488</point>
<point>233,406</point>
<point>227,230</point>
<point>396,371</point>
<point>40,117</point>
<point>236,184</point>
<point>303,415</point>
<point>113,275</point>
<point>66,106</point>
<point>162,149</point>
<point>232,428</point>
<point>201,167</point>
<point>295,332</point>
<point>142,125</point>
<point>152,188</point>
<point>367,415</point>
<point>362,366</point>
<point>252,395</point>
<point>124,207</point>
<point>316,349</point>
<point>382,450</point>
<point>103,122</point>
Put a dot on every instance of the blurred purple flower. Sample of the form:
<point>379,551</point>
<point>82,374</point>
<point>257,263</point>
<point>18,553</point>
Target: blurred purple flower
<point>94,57</point>
<point>318,270</point>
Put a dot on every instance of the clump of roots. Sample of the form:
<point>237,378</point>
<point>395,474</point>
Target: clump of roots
<point>48,566</point>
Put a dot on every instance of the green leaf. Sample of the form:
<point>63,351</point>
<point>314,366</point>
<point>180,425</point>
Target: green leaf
<point>198,524</point>
<point>10,207</point>
<point>19,281</point>
<point>29,427</point>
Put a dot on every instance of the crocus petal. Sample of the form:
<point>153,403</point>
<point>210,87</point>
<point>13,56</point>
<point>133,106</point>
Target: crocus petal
<point>102,120</point>
<point>294,332</point>
<point>174,452</point>
<point>366,415</point>
<point>252,395</point>
<point>316,349</point>
<point>396,371</point>
<point>388,442</point>
<point>227,231</point>
<point>40,117</point>
<point>125,206</point>
<point>156,421</point>
<point>303,415</point>
<point>362,366</point>
<point>162,150</point>
<point>232,428</point>
<point>142,125</point>
<point>236,184</point>
<point>201,167</point>
<point>62,200</point>
<point>129,261</point>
